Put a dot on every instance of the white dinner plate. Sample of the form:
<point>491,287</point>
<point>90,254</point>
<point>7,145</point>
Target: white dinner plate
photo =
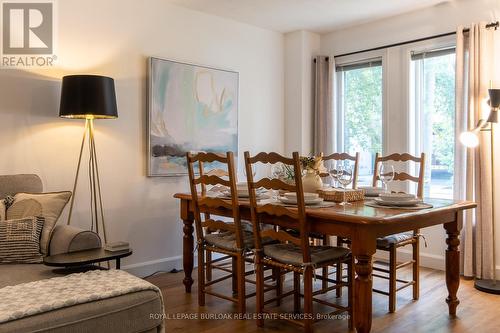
<point>307,196</point>
<point>399,197</point>
<point>246,195</point>
<point>288,201</point>
<point>371,191</point>
<point>397,203</point>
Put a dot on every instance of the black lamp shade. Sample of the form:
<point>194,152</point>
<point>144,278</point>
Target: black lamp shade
<point>88,97</point>
<point>494,98</point>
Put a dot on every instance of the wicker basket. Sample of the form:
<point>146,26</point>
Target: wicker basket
<point>337,195</point>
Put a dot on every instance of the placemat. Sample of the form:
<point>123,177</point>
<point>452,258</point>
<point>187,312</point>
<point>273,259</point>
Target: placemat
<point>419,206</point>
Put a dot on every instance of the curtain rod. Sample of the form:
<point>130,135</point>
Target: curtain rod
<point>466,30</point>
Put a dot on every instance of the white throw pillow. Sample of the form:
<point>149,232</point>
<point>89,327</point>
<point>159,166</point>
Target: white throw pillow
<point>47,205</point>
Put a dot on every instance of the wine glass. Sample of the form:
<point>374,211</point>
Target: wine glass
<point>386,174</point>
<point>245,172</point>
<point>334,173</point>
<point>345,178</point>
<point>277,172</point>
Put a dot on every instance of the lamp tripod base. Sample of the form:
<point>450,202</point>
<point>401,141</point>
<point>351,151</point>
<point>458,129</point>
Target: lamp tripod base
<point>488,286</point>
<point>96,208</point>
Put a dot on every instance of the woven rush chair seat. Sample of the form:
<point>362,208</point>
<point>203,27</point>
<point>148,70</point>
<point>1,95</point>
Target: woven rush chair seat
<point>394,239</point>
<point>227,240</point>
<point>296,233</point>
<point>292,254</point>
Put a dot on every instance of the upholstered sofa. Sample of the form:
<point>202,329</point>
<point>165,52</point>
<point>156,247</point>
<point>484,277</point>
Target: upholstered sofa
<point>134,312</point>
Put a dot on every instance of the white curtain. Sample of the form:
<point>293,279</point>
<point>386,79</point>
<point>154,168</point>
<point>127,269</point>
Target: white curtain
<point>475,72</point>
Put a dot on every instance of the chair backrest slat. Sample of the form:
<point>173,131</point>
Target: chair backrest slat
<point>276,210</point>
<point>402,176</point>
<point>398,157</point>
<point>296,215</point>
<point>212,202</point>
<point>273,184</point>
<point>218,225</point>
<point>209,158</point>
<point>211,180</point>
<point>340,157</point>
<point>271,158</point>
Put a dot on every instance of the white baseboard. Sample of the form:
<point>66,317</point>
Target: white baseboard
<point>167,264</point>
<point>146,268</point>
<point>428,260</point>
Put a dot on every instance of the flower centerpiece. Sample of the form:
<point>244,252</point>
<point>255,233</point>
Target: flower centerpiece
<point>312,167</point>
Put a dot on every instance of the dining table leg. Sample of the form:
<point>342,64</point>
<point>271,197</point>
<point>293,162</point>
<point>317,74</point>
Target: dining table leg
<point>187,245</point>
<point>453,263</point>
<point>363,250</point>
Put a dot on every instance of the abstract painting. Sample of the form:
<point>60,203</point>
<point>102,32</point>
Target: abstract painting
<point>191,108</point>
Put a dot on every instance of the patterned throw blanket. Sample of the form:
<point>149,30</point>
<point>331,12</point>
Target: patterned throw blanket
<point>28,299</point>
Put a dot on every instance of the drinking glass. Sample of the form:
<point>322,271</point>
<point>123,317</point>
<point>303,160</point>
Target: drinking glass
<point>245,172</point>
<point>345,178</point>
<point>386,174</point>
<point>277,172</point>
<point>333,171</point>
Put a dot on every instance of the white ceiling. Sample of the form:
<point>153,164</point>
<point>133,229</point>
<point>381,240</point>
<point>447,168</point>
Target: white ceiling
<point>313,15</point>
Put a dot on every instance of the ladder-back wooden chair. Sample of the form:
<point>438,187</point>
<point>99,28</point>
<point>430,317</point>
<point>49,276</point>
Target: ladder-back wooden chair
<point>393,242</point>
<point>292,254</point>
<point>214,235</point>
<point>333,158</point>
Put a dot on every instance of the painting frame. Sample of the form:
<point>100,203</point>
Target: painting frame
<point>151,171</point>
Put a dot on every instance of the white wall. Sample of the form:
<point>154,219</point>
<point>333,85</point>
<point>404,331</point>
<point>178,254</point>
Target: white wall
<point>114,38</point>
<point>439,19</point>
<point>428,22</point>
<point>300,49</point>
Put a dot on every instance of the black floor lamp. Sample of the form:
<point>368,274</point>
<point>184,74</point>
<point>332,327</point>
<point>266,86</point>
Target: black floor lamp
<point>89,97</point>
<point>470,139</point>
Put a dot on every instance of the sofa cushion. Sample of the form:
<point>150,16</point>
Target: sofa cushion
<point>13,274</point>
<point>20,240</point>
<point>48,205</point>
<point>140,311</point>
<point>136,312</point>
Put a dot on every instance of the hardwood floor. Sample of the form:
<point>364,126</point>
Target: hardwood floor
<point>478,312</point>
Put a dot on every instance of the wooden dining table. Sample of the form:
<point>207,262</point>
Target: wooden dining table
<point>362,225</point>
